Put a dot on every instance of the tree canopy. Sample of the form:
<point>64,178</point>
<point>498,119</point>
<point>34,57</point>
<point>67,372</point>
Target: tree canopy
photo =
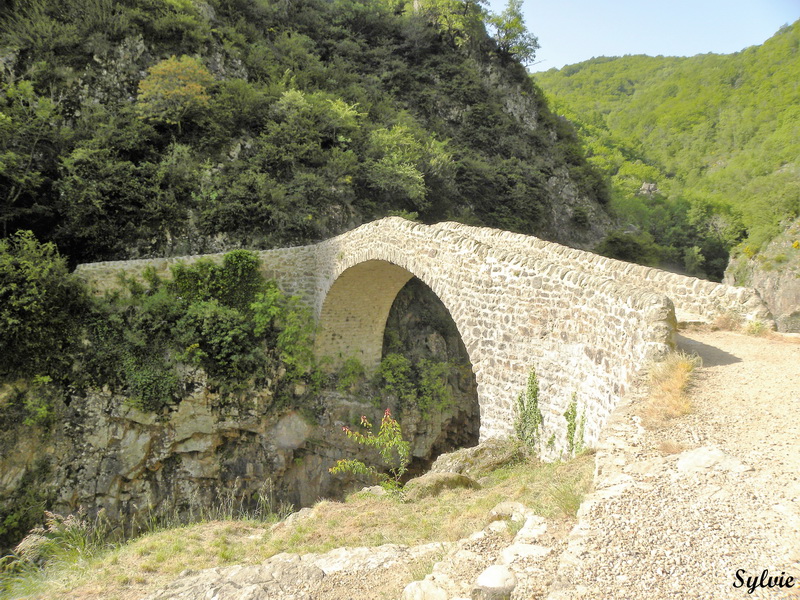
<point>716,139</point>
<point>150,127</point>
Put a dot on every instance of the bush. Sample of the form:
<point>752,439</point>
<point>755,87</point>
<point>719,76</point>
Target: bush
<point>423,385</point>
<point>351,374</point>
<point>41,308</point>
<point>219,339</point>
<point>396,376</point>
<point>151,385</point>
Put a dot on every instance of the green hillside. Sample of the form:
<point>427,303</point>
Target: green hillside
<point>152,127</point>
<point>719,136</point>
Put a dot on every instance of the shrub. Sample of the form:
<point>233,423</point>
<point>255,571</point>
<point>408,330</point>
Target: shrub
<point>219,339</point>
<point>423,385</point>
<point>41,307</point>
<point>235,283</point>
<point>434,393</point>
<point>396,375</point>
<point>351,374</point>
<point>151,385</point>
<point>756,328</point>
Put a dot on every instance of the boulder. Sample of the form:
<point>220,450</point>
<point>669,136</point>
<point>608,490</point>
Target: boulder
<point>433,484</point>
<point>495,583</point>
<point>480,459</point>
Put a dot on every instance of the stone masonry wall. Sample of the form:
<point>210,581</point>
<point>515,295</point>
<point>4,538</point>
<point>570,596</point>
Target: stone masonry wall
<point>693,298</point>
<point>587,325</point>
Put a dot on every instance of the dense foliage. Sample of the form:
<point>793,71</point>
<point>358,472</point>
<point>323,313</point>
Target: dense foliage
<point>150,342</point>
<point>153,127</point>
<point>718,135</point>
<point>39,302</point>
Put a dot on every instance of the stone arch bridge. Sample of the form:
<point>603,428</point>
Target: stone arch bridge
<point>585,323</point>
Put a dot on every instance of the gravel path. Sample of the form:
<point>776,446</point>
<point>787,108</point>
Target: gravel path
<point>679,511</point>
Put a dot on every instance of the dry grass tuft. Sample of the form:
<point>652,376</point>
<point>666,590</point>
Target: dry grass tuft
<point>728,321</point>
<point>668,382</point>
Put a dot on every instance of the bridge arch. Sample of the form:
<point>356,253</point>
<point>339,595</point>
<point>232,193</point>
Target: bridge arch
<point>586,324</point>
<point>353,315</point>
<point>582,334</point>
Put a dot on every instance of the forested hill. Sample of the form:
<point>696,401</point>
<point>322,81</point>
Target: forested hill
<point>718,135</point>
<point>145,127</point>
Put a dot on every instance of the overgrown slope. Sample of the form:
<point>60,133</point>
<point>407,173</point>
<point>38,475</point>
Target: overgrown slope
<point>150,127</point>
<point>716,137</point>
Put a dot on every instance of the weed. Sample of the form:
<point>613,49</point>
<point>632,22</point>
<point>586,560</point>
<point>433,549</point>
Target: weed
<point>575,442</point>
<point>423,567</point>
<point>567,497</point>
<point>528,420</point>
<point>756,327</point>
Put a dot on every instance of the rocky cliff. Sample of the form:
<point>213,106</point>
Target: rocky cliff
<point>104,454</point>
<point>775,274</point>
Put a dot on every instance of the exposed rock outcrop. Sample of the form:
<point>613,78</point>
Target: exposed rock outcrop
<point>102,453</point>
<point>775,274</point>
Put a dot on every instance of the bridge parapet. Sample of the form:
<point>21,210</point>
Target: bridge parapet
<point>692,297</point>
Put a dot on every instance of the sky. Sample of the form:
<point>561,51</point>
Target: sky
<point>572,31</point>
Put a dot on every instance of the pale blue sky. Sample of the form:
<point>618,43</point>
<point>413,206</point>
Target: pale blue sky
<point>571,31</point>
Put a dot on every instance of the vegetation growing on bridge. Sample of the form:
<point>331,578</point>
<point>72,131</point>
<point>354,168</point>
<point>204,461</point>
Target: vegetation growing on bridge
<point>528,420</point>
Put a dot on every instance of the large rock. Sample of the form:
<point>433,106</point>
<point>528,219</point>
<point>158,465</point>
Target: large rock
<point>479,460</point>
<point>495,583</point>
<point>775,274</point>
<point>433,484</point>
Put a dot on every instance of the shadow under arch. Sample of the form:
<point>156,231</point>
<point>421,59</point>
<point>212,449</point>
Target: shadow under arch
<point>353,323</point>
<point>353,316</point>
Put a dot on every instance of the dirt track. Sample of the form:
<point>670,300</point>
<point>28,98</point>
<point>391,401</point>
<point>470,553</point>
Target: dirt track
<point>680,510</point>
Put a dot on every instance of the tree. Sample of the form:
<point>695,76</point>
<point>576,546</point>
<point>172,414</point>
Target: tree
<point>511,35</point>
<point>402,160</point>
<point>459,20</point>
<point>31,133</point>
<point>40,308</point>
<point>173,89</point>
<point>394,450</point>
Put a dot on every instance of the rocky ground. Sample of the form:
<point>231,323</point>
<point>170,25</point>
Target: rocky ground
<point>677,511</point>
